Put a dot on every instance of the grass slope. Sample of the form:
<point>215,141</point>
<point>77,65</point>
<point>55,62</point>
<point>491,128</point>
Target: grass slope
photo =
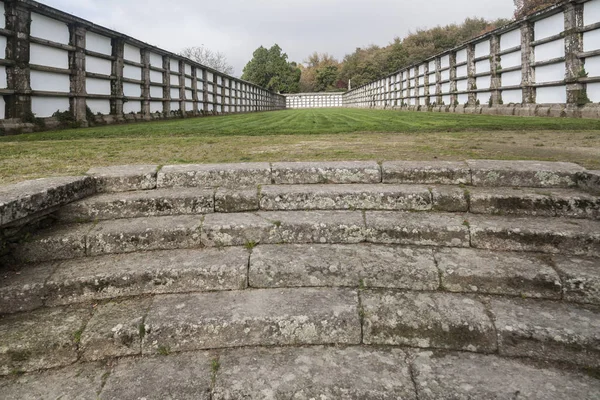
<point>319,134</point>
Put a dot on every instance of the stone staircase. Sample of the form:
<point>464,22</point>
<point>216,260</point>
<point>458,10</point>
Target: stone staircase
<point>346,280</point>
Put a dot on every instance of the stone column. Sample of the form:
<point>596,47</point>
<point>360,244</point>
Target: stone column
<point>182,99</point>
<point>146,83</point>
<point>18,21</point>
<point>471,81</point>
<point>204,91</point>
<point>216,94</point>
<point>426,83</point>
<point>453,86</point>
<point>495,83</point>
<point>438,81</point>
<point>166,86</point>
<point>195,89</point>
<point>527,59</point>
<point>417,97</point>
<point>77,77</point>
<point>116,101</point>
<point>576,91</point>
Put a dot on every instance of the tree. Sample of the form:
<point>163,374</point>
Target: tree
<point>209,58</point>
<point>321,73</point>
<point>368,64</point>
<point>528,7</point>
<point>270,69</point>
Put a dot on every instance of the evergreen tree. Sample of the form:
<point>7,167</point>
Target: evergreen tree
<point>270,69</point>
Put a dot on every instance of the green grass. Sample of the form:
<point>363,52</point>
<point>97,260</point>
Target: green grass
<point>301,135</point>
<point>313,122</point>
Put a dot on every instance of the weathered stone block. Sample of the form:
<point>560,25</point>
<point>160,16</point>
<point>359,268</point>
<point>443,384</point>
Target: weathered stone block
<point>123,178</point>
<point>345,197</point>
<point>581,278</point>
<point>314,373</point>
<point>326,172</point>
<point>213,175</point>
<point>590,181</point>
<point>568,236</point>
<point>144,234</point>
<point>427,320</point>
<point>80,381</point>
<point>575,204</point>
<point>548,331</point>
<point>524,173</point>
<point>29,198</point>
<point>149,203</point>
<point>23,288</point>
<point>237,230</point>
<point>116,329</point>
<point>509,201</point>
<point>343,265</point>
<point>236,200</point>
<point>40,339</point>
<point>450,199</point>
<point>443,376</point>
<point>425,229</point>
<point>429,172</point>
<point>170,271</point>
<point>480,271</point>
<point>316,226</point>
<point>252,318</point>
<point>178,376</point>
<point>61,242</point>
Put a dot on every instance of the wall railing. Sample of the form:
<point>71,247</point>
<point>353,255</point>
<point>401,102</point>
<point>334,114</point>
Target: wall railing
<point>55,64</point>
<point>545,64</point>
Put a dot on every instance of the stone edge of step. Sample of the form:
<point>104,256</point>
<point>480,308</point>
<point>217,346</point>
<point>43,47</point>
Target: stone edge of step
<point>25,199</point>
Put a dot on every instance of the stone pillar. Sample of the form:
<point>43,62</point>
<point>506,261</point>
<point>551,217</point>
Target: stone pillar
<point>182,98</point>
<point>166,86</point>
<point>417,97</point>
<point>471,80</point>
<point>426,83</point>
<point>438,81</point>
<point>527,59</point>
<point>146,83</point>
<point>495,83</point>
<point>216,94</point>
<point>453,86</point>
<point>576,91</point>
<point>195,89</point>
<point>77,77</point>
<point>18,21</point>
<point>205,91</point>
<point>116,101</point>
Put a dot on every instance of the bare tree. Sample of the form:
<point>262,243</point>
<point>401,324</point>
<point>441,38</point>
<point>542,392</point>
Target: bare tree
<point>212,59</point>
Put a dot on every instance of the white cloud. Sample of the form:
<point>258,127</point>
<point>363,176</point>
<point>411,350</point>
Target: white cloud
<point>237,27</point>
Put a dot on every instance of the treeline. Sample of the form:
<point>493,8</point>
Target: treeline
<point>365,65</point>
<point>322,72</point>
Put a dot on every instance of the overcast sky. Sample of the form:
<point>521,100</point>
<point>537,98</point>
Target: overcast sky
<point>237,27</point>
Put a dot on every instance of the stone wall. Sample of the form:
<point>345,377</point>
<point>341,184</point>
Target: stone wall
<point>314,100</point>
<point>546,64</point>
<point>52,61</point>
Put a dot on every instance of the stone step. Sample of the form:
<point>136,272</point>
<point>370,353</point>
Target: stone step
<point>539,329</point>
<point>147,203</point>
<point>161,324</point>
<point>28,287</point>
<point>380,197</point>
<point>557,235</point>
<point>535,202</point>
<point>357,372</point>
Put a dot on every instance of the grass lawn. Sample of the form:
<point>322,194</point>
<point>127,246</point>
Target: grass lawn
<point>301,135</point>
